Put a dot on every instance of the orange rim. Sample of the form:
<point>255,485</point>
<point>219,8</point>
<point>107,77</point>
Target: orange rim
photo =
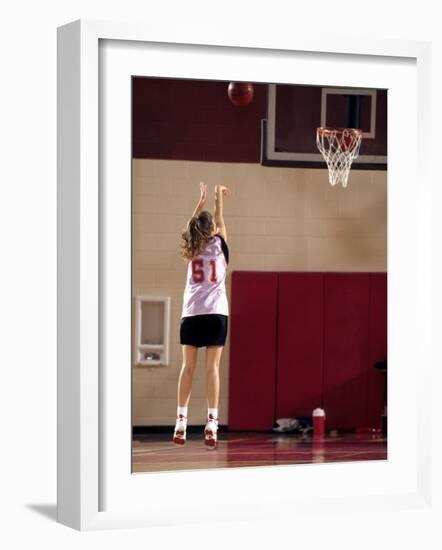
<point>328,131</point>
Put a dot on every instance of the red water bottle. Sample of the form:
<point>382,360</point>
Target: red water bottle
<point>318,422</point>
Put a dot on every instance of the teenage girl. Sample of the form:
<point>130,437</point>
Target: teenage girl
<point>205,310</point>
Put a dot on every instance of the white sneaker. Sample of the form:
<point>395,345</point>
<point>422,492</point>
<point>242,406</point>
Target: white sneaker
<point>210,433</point>
<point>179,435</point>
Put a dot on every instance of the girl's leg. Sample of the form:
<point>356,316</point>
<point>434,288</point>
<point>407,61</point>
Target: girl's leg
<point>190,355</point>
<point>213,358</point>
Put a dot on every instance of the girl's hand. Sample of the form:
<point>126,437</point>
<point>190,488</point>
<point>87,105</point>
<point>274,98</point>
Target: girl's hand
<point>222,189</point>
<point>203,193</point>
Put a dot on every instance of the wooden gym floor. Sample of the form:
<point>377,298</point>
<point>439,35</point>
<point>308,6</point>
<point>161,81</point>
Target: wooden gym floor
<point>156,452</point>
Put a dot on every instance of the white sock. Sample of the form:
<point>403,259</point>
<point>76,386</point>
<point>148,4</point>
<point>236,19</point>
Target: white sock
<point>213,412</point>
<point>182,410</point>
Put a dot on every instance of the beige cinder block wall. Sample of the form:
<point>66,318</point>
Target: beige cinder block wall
<point>277,219</point>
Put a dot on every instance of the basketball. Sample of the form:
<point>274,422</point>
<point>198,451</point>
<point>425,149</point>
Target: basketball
<point>240,93</point>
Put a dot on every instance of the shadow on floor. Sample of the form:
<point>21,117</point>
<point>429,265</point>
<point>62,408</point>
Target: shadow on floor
<point>48,511</point>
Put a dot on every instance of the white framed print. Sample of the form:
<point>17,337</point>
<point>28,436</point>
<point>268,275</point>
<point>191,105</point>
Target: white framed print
<point>99,484</point>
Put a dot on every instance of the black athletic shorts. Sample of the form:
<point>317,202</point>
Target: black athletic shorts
<point>204,330</point>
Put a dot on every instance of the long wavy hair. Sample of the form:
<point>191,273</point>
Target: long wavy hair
<point>195,236</point>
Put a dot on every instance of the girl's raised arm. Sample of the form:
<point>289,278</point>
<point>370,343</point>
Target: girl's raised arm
<point>202,201</point>
<point>220,190</point>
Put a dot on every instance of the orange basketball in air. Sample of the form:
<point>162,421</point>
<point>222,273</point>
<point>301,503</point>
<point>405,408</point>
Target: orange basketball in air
<point>240,93</point>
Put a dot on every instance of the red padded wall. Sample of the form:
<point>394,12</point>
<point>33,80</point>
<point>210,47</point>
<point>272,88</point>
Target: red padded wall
<point>252,350</point>
<point>302,340</point>
<point>300,344</point>
<point>378,347</point>
<point>346,349</point>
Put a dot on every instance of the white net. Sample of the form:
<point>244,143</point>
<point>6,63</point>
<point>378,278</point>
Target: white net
<point>339,147</point>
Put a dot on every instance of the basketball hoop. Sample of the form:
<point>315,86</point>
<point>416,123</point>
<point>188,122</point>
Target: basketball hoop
<point>339,147</point>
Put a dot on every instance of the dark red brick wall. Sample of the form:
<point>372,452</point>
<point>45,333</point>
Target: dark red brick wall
<point>194,120</point>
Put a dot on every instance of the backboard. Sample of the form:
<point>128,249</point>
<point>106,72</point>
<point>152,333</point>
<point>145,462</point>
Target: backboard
<point>295,112</point>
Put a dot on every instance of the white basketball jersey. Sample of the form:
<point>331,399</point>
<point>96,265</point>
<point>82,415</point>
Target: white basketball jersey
<point>205,290</point>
